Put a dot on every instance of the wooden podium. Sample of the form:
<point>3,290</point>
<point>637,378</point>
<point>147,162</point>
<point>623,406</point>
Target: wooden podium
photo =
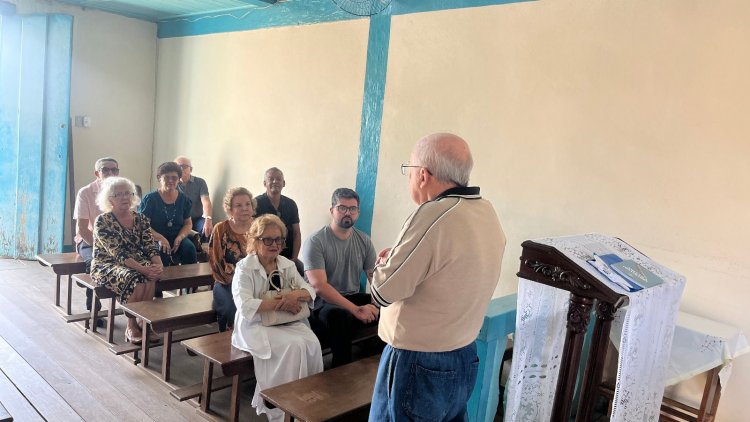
<point>546,265</point>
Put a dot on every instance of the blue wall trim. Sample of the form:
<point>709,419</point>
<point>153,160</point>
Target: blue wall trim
<point>402,7</point>
<point>372,117</point>
<point>297,12</point>
<point>288,13</point>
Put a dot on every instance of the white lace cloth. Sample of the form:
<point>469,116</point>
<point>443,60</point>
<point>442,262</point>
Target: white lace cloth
<point>647,331</point>
<point>699,344</point>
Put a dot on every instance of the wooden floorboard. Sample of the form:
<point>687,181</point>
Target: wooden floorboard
<point>15,403</point>
<point>45,400</point>
<point>94,383</point>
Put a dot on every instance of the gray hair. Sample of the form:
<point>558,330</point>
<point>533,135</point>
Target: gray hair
<point>101,161</point>
<point>344,193</point>
<point>444,166</point>
<point>108,186</point>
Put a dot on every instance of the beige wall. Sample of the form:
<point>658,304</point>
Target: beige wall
<point>239,103</point>
<point>624,118</point>
<point>112,81</point>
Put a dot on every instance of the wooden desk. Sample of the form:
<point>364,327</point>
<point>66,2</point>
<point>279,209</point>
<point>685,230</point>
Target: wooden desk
<point>63,264</point>
<point>217,349</point>
<point>327,395</point>
<point>178,277</point>
<point>167,315</point>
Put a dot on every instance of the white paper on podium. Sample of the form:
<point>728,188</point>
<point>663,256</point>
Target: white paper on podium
<point>648,328</point>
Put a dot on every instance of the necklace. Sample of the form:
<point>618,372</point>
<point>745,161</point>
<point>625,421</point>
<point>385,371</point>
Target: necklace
<point>174,212</point>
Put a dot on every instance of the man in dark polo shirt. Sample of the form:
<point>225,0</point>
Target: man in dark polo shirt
<point>273,202</point>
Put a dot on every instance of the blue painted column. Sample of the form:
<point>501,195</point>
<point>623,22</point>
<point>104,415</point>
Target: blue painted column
<point>499,321</point>
<point>55,140</point>
<point>372,118</point>
<point>10,69</point>
<point>35,62</point>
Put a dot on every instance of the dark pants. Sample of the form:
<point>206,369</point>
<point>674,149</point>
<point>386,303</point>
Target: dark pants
<point>86,251</point>
<point>198,223</point>
<point>224,306</point>
<point>185,254</point>
<point>335,326</point>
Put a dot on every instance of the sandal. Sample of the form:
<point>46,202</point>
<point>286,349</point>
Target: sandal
<point>152,336</point>
<point>134,339</point>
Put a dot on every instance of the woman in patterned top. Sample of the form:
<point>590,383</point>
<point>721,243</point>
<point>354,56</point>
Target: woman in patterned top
<point>228,245</point>
<point>125,257</point>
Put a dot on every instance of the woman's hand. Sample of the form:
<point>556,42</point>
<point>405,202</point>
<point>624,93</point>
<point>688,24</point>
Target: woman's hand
<point>163,242</point>
<point>289,303</point>
<point>177,241</point>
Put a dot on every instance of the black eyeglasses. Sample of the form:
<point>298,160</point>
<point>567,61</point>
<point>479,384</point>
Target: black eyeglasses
<point>122,194</point>
<point>343,209</point>
<point>405,166</point>
<point>110,170</point>
<point>186,166</point>
<point>268,241</point>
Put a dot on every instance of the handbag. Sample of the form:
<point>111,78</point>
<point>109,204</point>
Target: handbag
<point>270,318</point>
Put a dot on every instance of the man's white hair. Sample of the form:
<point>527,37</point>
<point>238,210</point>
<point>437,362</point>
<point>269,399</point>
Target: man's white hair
<point>445,166</point>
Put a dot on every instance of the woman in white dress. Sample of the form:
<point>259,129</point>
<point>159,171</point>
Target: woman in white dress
<point>281,353</point>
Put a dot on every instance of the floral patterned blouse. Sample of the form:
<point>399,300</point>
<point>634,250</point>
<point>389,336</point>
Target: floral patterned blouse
<point>225,249</point>
<point>113,244</point>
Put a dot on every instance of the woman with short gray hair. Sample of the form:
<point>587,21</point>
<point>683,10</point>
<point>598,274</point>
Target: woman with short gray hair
<point>126,259</point>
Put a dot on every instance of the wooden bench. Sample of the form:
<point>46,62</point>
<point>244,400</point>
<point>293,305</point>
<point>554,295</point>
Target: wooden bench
<point>100,293</point>
<point>328,395</point>
<point>63,264</point>
<point>165,316</point>
<point>235,364</point>
<point>173,278</point>
<point>217,349</point>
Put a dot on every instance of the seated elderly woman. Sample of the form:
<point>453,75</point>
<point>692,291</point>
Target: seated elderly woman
<point>169,212</point>
<point>281,353</point>
<point>227,246</point>
<point>125,257</point>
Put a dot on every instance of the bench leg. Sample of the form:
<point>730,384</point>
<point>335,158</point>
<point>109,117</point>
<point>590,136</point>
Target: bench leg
<point>57,291</point>
<point>94,313</point>
<point>166,350</point>
<point>208,374</point>
<point>145,344</point>
<point>234,401</point>
<point>110,321</point>
<point>68,307</point>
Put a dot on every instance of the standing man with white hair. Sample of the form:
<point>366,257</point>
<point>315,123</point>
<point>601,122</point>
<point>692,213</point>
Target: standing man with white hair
<point>86,211</point>
<point>196,190</point>
<point>434,286</point>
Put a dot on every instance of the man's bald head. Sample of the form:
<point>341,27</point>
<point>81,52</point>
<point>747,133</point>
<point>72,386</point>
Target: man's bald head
<point>447,156</point>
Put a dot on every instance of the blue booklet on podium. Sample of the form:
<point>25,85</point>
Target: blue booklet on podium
<point>627,273</point>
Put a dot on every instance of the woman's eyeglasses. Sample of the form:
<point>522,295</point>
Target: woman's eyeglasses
<point>122,194</point>
<point>268,241</point>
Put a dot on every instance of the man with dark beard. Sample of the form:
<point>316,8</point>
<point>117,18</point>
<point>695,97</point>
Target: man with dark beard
<point>335,257</point>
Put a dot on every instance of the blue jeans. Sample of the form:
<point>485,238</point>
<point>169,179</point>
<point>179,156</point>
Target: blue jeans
<point>224,306</point>
<point>424,386</point>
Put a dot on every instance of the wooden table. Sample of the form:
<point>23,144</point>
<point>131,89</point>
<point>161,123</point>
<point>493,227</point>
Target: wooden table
<point>63,264</point>
<point>217,349</point>
<point>327,395</point>
<point>167,315</point>
<point>187,276</point>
